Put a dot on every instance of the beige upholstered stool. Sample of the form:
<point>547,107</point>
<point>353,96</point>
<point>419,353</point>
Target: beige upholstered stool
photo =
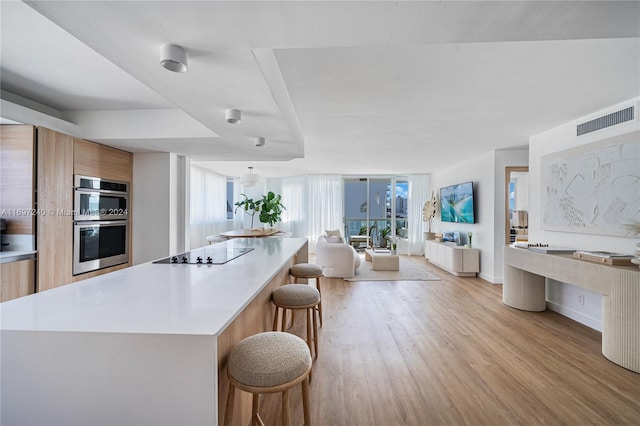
<point>212,239</point>
<point>309,270</point>
<point>268,363</point>
<point>298,296</point>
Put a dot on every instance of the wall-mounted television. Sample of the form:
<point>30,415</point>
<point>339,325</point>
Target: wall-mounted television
<point>456,203</point>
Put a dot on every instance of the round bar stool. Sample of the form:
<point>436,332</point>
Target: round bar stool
<point>212,239</point>
<point>294,297</point>
<point>309,270</point>
<point>269,362</point>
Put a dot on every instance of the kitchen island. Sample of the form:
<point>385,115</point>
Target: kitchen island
<point>146,345</point>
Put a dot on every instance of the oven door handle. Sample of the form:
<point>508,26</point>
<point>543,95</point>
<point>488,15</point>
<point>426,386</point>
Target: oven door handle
<point>100,222</point>
<point>95,191</point>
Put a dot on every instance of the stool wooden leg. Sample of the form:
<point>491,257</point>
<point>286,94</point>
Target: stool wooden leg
<point>255,417</point>
<point>275,319</point>
<point>285,408</point>
<point>305,401</point>
<point>309,338</point>
<point>319,304</point>
<point>228,412</point>
<point>315,332</point>
<point>284,319</point>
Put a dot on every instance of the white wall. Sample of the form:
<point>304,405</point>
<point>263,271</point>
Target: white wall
<point>488,175</point>
<point>480,170</point>
<point>563,297</point>
<point>159,205</point>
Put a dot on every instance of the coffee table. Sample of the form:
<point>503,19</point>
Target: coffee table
<point>382,261</point>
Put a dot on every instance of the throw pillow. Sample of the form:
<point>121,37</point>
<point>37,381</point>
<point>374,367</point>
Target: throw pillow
<point>335,233</point>
<point>334,240</point>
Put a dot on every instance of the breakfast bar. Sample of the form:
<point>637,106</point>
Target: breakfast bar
<point>143,345</point>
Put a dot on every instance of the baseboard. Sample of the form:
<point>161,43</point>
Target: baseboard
<point>490,278</point>
<point>575,315</point>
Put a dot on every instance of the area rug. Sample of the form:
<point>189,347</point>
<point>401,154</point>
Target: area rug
<point>409,271</point>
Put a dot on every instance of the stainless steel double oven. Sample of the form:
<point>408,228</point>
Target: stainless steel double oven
<point>101,224</point>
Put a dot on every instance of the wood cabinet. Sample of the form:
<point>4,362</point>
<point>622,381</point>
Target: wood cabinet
<point>59,157</point>
<point>17,178</point>
<point>17,279</point>
<point>54,196</point>
<point>93,159</point>
<point>458,260</point>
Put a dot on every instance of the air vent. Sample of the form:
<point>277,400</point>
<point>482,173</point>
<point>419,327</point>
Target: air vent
<point>605,121</point>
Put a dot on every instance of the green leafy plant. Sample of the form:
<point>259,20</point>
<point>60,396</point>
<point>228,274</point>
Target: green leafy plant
<point>384,236</point>
<point>271,208</point>
<point>249,206</point>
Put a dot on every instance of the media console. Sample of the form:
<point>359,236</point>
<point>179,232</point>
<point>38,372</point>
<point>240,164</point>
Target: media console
<point>524,288</point>
<point>458,260</point>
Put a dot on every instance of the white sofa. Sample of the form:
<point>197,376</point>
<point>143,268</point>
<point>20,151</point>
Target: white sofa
<point>338,260</point>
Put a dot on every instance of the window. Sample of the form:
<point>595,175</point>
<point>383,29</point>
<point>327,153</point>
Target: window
<point>230,201</point>
<point>376,207</point>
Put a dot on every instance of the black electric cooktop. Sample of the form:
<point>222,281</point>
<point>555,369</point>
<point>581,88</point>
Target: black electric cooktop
<point>206,256</point>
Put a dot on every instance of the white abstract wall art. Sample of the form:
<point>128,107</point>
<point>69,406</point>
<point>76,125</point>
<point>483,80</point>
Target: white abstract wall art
<point>593,189</point>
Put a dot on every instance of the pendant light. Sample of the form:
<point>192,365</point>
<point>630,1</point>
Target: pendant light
<point>249,179</point>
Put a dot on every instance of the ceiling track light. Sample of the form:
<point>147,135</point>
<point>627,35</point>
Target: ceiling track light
<point>233,116</point>
<point>173,58</point>
<point>260,141</point>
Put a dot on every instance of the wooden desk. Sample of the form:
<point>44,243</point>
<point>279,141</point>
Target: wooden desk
<point>524,288</point>
<point>250,233</point>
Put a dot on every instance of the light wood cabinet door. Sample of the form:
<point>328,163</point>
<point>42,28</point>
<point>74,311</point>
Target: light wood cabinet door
<point>17,178</point>
<point>54,196</point>
<point>93,159</point>
<point>17,279</point>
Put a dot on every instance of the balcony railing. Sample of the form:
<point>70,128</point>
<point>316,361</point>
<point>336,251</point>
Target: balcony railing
<point>377,229</point>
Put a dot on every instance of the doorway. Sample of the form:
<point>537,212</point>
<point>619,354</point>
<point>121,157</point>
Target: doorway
<point>516,203</point>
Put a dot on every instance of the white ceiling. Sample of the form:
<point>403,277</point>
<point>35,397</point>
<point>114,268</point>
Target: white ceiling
<point>336,87</point>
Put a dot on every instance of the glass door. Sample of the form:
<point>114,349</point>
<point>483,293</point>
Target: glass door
<point>375,209</point>
<point>356,212</point>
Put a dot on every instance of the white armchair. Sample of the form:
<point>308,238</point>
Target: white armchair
<point>338,260</point>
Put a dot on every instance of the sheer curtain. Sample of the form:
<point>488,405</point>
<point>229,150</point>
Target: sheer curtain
<point>294,218</point>
<point>418,195</point>
<point>208,205</point>
<point>324,206</point>
<point>238,217</point>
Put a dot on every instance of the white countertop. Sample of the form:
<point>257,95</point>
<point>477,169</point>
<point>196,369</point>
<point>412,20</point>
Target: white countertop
<point>155,298</point>
<point>14,256</point>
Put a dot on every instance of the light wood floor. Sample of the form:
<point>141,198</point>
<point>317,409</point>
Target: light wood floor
<point>449,352</point>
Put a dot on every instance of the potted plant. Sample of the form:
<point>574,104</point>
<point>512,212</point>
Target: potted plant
<point>271,208</point>
<point>384,236</point>
<point>634,229</point>
<point>249,206</point>
<point>394,244</point>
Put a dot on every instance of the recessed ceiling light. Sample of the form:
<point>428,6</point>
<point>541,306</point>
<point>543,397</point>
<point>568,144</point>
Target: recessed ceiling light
<point>174,58</point>
<point>233,116</point>
<point>260,141</point>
